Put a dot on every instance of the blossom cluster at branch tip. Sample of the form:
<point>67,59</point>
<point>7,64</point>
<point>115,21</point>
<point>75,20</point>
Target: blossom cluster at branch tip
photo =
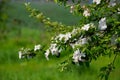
<point>28,53</point>
<point>20,53</point>
<point>23,52</point>
<point>77,56</point>
<point>102,24</point>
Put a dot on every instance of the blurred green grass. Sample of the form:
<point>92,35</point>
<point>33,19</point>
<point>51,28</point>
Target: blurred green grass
<point>26,32</point>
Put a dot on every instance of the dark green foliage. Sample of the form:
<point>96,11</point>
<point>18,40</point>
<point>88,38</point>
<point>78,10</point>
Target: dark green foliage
<point>3,19</point>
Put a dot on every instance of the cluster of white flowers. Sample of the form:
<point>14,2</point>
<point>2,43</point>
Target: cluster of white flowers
<point>81,41</point>
<point>37,47</point>
<point>53,49</point>
<point>102,24</point>
<point>22,53</point>
<point>27,52</point>
<point>77,56</point>
<point>63,37</point>
<point>86,12</point>
<point>86,27</point>
<point>74,39</point>
<point>97,1</point>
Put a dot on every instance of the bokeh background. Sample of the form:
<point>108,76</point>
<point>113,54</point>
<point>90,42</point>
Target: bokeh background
<point>18,30</point>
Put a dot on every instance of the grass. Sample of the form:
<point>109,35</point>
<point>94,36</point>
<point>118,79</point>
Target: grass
<point>26,32</point>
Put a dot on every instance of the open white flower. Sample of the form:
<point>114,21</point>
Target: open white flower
<point>77,56</point>
<point>97,1</point>
<point>82,41</point>
<point>60,36</point>
<point>20,54</point>
<point>47,54</point>
<point>54,49</point>
<point>86,13</point>
<point>67,36</point>
<point>102,24</point>
<point>86,27</point>
<point>37,47</point>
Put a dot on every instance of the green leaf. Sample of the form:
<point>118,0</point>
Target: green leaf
<point>103,68</point>
<point>56,1</point>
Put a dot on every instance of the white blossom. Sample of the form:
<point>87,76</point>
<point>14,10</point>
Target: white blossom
<point>112,3</point>
<point>102,24</point>
<point>118,10</point>
<point>81,41</point>
<point>20,54</point>
<point>47,54</point>
<point>61,36</point>
<point>53,49</point>
<point>64,37</point>
<point>86,13</point>
<point>86,27</point>
<point>77,56</point>
<point>97,1</point>
<point>25,53</point>
<point>75,31</point>
<point>71,9</point>
<point>67,36</point>
<point>37,47</point>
